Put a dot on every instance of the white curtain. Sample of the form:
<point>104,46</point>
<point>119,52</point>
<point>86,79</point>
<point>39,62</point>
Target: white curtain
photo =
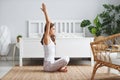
<point>5,40</point>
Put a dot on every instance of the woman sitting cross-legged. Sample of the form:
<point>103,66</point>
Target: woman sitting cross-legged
<point>48,41</point>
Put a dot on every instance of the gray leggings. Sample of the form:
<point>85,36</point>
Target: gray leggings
<point>48,66</point>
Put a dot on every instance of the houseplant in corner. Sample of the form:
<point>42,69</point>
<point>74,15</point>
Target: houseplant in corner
<point>18,38</point>
<point>95,29</point>
<point>110,18</point>
<point>106,23</point>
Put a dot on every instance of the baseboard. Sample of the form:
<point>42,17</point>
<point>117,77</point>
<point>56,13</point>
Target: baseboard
<point>9,58</point>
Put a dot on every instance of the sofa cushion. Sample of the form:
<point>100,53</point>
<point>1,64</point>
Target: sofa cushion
<point>109,57</point>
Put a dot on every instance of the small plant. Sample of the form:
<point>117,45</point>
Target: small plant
<point>95,29</point>
<point>18,38</point>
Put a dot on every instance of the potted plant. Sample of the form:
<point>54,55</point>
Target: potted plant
<point>18,38</point>
<point>106,23</point>
<point>110,18</point>
<point>95,29</point>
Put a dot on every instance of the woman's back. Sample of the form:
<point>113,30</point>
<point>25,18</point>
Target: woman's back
<point>49,51</point>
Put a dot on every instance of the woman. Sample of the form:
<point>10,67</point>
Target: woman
<point>48,41</point>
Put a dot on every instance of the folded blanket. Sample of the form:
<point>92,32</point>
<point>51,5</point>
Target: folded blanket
<point>5,40</point>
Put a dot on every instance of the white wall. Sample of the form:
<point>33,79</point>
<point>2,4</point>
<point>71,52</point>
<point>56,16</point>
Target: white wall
<point>15,13</point>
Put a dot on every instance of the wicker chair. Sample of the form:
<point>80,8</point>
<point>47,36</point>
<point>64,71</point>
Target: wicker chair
<point>105,53</point>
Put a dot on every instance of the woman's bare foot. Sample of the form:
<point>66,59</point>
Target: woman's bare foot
<point>63,69</point>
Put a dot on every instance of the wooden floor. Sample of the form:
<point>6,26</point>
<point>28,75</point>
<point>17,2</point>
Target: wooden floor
<point>74,73</point>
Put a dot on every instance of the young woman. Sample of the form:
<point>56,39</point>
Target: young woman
<point>48,41</point>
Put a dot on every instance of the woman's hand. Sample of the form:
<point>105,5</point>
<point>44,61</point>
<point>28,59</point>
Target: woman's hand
<point>43,7</point>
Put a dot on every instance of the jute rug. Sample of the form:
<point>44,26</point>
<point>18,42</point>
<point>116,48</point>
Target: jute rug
<point>74,73</point>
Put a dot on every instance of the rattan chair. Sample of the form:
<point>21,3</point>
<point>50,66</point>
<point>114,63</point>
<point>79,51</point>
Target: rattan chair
<point>105,52</point>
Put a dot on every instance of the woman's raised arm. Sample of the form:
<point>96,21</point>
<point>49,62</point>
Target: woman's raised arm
<point>46,33</point>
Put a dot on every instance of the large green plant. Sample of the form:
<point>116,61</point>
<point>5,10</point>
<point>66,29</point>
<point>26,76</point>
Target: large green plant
<point>107,22</point>
<point>110,18</point>
<point>95,29</point>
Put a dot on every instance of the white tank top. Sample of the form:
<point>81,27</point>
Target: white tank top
<point>49,52</point>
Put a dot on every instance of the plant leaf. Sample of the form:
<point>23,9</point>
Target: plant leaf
<point>85,23</point>
<point>97,22</point>
<point>89,28</point>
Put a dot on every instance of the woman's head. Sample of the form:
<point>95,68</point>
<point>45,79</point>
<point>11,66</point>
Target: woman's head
<point>51,32</point>
<point>52,29</point>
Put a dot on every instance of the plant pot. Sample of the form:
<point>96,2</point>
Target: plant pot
<point>97,38</point>
<point>18,39</point>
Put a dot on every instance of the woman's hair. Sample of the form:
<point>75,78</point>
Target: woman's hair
<point>52,36</point>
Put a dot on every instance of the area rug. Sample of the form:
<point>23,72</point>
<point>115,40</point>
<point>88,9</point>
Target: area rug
<point>74,73</point>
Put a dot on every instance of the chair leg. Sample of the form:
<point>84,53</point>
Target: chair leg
<point>14,49</point>
<point>96,66</point>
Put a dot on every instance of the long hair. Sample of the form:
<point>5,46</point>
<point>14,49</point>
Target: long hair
<point>52,36</point>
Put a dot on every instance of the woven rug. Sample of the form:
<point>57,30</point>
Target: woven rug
<point>74,73</point>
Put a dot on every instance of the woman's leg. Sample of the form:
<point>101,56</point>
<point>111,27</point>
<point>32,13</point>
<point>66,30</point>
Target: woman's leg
<point>59,64</point>
<point>63,69</point>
